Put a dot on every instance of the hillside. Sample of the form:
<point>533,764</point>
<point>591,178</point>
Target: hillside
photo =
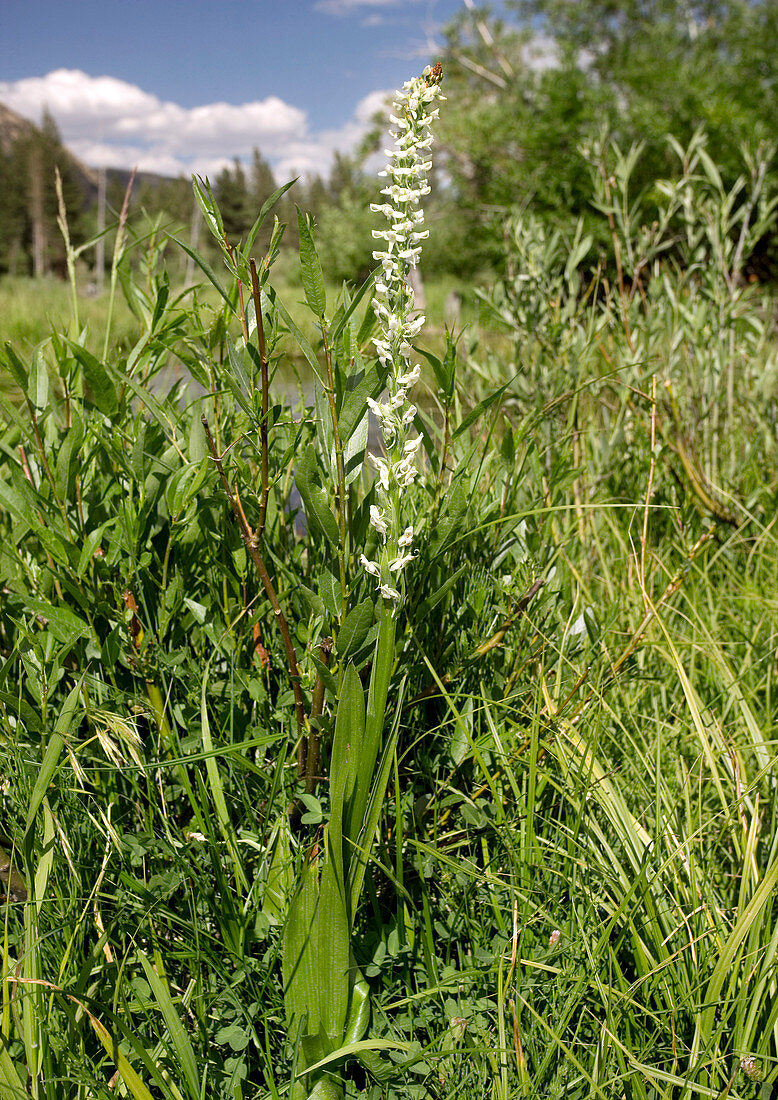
<point>14,126</point>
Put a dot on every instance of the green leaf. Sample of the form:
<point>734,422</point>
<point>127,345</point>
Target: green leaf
<point>99,381</point>
<point>206,268</point>
<point>310,267</point>
<point>11,1085</point>
<point>298,953</point>
<point>481,408</point>
<point>346,759</point>
<point>39,379</point>
<point>358,1050</point>
<point>265,209</point>
<point>355,401</point>
<point>328,679</point>
<point>210,209</point>
<point>131,1079</point>
<point>314,498</point>
<point>314,601</point>
<point>332,954</point>
<point>69,458</point>
<point>354,629</point>
<point>423,609</point>
<point>91,542</point>
<point>279,872</point>
<point>217,791</point>
<point>343,320</point>
<point>238,378</point>
<point>66,626</point>
<point>179,1040</point>
<point>296,332</point>
<point>16,367</point>
<point>368,817</point>
<point>330,592</point>
<point>380,676</point>
<point>62,727</point>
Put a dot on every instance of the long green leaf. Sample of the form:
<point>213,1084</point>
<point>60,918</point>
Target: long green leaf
<point>180,1041</point>
<point>297,333</point>
<point>347,747</point>
<point>333,942</point>
<point>50,763</point>
<point>481,408</point>
<point>310,268</point>
<point>217,790</point>
<point>265,209</point>
<point>10,1082</point>
<point>373,811</point>
<point>342,321</point>
<point>300,941</point>
<point>206,268</point>
<point>314,498</point>
<point>380,676</point>
<point>131,1079</point>
<point>99,380</point>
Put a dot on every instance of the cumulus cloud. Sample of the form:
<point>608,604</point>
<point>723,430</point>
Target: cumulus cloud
<point>106,121</point>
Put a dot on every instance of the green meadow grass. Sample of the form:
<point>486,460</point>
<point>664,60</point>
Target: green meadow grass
<point>572,892</point>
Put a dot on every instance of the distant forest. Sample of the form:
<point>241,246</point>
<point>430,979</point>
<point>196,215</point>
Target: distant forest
<point>31,240</point>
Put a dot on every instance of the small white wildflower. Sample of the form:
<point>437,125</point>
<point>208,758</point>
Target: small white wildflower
<point>554,938</point>
<point>377,520</point>
<point>383,472</point>
<point>370,566</point>
<point>406,538</point>
<point>400,563</point>
<point>388,592</point>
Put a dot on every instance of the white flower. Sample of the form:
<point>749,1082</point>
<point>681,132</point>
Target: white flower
<point>383,471</point>
<point>400,563</point>
<point>370,566</point>
<point>378,521</point>
<point>408,163</point>
<point>388,592</point>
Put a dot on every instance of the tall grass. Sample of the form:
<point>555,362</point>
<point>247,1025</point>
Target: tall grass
<point>572,889</point>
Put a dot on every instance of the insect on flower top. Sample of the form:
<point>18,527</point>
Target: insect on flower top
<point>406,171</point>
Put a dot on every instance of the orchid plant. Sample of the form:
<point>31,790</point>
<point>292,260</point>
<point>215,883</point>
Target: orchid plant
<point>327,997</point>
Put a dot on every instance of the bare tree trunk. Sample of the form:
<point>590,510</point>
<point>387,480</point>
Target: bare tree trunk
<point>100,245</point>
<point>419,297</point>
<point>39,242</point>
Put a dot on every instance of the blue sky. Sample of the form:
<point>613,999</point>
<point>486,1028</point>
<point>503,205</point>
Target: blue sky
<point>186,85</point>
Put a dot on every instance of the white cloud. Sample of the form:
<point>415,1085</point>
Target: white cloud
<point>106,121</point>
<point>351,7</point>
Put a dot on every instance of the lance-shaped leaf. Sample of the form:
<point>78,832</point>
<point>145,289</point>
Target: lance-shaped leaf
<point>374,723</point>
<point>310,268</point>
<point>314,498</point>
<point>299,952</point>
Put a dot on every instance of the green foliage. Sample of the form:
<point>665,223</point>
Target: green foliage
<point>540,78</point>
<point>530,823</point>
